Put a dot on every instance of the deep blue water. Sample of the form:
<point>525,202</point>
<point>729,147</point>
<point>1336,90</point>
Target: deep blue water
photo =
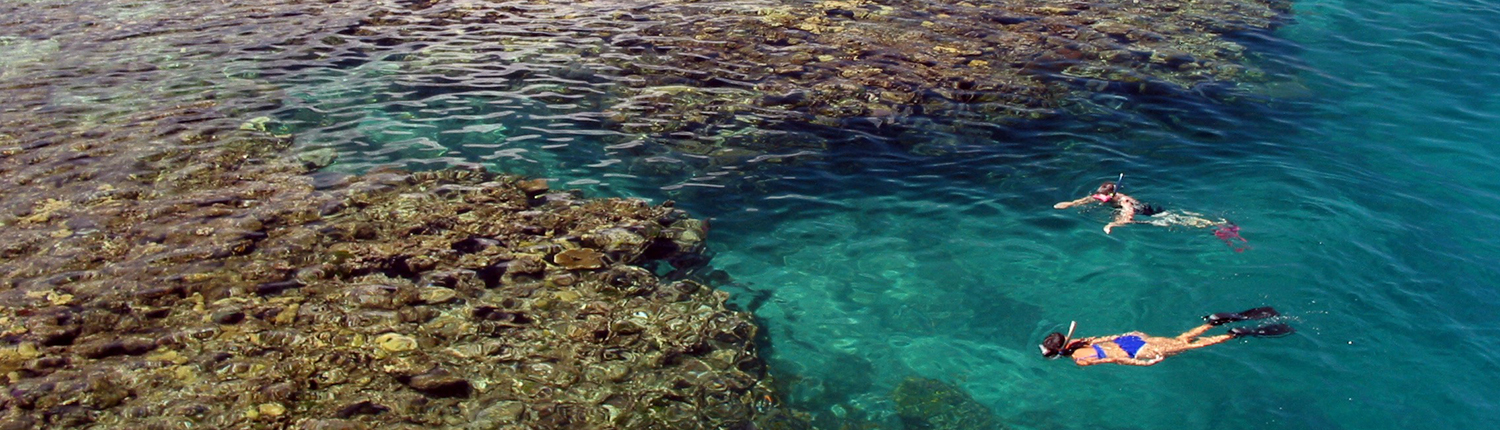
<point>1366,187</point>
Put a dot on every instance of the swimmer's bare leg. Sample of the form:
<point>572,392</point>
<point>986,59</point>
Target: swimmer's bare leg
<point>1197,220</point>
<point>1195,332</point>
<point>1163,219</point>
<point>1211,340</point>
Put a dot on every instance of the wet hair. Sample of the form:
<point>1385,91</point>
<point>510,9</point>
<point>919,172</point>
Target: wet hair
<point>1053,345</point>
<point>1105,188</point>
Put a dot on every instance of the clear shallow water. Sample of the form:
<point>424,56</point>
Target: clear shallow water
<point>1366,190</point>
<point>1370,206</point>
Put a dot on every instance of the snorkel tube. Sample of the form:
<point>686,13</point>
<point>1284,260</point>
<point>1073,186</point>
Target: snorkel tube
<point>1069,338</point>
<point>1119,181</point>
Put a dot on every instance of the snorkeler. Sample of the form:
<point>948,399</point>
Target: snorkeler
<point>1129,207</point>
<point>1139,349</point>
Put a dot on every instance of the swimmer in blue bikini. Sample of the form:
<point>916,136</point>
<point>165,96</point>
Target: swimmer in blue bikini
<point>1129,207</point>
<point>1140,349</point>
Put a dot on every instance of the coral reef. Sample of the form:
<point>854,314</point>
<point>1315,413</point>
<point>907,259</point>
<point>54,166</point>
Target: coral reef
<point>448,298</point>
<point>723,73</point>
<point>168,260</point>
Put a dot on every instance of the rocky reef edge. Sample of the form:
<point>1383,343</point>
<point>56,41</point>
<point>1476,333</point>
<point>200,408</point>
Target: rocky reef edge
<point>236,290</point>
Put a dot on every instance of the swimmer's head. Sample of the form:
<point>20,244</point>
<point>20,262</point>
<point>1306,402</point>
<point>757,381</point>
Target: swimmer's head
<point>1059,344</point>
<point>1105,192</point>
<point>1052,346</point>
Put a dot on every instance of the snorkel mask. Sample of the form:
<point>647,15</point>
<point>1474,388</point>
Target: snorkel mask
<point>1054,353</point>
<point>1105,198</point>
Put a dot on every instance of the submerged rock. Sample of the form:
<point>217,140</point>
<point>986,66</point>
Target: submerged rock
<point>318,158</point>
<point>440,383</point>
<point>717,78</point>
<point>399,299</point>
<point>928,404</point>
<point>580,258</point>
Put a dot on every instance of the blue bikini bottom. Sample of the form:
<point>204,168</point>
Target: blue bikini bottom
<point>1130,343</point>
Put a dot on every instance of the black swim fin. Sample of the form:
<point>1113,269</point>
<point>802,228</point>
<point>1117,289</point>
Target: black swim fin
<point>1273,330</point>
<point>1222,318</point>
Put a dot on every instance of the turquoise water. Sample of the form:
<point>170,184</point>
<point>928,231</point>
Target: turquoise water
<point>1369,202</point>
<point>1366,188</point>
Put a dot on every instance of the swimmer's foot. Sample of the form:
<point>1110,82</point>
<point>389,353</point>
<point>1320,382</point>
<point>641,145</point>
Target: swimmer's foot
<point>1222,318</point>
<point>1273,330</point>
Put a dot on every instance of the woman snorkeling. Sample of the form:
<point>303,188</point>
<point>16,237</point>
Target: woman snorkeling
<point>1140,349</point>
<point>1129,207</point>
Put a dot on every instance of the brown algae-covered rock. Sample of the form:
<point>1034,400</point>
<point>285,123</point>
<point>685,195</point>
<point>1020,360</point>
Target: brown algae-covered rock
<point>717,78</point>
<point>403,299</point>
<point>579,258</point>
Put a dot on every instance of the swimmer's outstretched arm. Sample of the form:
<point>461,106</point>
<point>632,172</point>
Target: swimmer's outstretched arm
<point>1126,216</point>
<point>1069,204</point>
